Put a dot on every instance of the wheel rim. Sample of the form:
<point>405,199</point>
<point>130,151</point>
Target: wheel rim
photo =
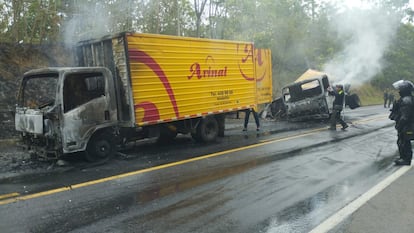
<point>208,130</point>
<point>102,149</point>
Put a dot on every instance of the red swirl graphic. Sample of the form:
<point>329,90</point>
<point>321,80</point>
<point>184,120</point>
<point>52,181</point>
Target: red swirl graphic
<point>151,111</point>
<point>248,51</point>
<point>260,64</point>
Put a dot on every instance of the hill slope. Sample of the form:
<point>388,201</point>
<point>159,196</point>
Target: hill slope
<point>17,59</point>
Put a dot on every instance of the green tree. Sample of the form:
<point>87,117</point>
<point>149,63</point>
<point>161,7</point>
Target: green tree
<point>399,59</point>
<point>199,6</point>
<point>25,21</point>
<point>166,17</point>
<point>297,31</point>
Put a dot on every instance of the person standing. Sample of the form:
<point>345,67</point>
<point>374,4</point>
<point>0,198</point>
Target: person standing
<point>246,118</point>
<point>385,97</point>
<point>402,113</point>
<point>337,107</point>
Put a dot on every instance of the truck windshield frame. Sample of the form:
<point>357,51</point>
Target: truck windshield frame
<point>302,90</point>
<point>38,91</point>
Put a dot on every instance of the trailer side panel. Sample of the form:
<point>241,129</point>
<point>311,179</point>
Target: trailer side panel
<point>176,78</point>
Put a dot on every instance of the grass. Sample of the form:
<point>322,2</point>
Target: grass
<point>369,95</point>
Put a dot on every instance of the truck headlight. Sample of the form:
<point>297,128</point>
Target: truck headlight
<point>48,127</point>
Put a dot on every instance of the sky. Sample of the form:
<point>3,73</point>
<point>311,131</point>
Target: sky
<point>412,4</point>
<point>362,4</point>
<point>356,4</point>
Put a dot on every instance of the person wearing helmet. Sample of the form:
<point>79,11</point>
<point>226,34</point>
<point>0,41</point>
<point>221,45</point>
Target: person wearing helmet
<point>337,107</point>
<point>402,113</point>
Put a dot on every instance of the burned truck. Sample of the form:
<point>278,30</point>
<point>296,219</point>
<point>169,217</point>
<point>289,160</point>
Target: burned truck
<point>307,98</point>
<point>132,86</point>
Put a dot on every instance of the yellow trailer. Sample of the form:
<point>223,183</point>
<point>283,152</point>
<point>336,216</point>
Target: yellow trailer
<point>175,78</point>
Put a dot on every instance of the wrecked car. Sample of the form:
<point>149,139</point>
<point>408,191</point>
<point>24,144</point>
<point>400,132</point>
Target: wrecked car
<point>308,98</point>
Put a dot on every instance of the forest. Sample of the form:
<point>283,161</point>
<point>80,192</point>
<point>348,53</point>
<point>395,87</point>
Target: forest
<point>368,46</point>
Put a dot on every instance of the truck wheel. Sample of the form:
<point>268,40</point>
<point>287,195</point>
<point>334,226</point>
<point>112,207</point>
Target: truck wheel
<point>99,148</point>
<point>221,124</point>
<point>207,130</point>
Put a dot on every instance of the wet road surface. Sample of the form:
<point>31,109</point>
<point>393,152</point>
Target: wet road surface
<point>285,182</point>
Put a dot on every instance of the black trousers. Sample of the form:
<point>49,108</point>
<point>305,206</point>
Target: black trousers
<point>255,115</point>
<point>336,118</point>
<point>404,146</point>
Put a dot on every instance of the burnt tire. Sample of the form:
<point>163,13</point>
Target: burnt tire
<point>100,148</point>
<point>207,130</point>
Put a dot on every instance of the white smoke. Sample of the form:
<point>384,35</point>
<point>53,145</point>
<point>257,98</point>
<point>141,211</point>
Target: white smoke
<point>367,35</point>
<point>91,20</point>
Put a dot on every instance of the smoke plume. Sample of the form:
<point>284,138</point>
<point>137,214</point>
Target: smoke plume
<point>94,19</point>
<point>367,35</point>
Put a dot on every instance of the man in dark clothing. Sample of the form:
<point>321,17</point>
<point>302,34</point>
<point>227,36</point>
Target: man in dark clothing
<point>390,99</point>
<point>385,98</point>
<point>337,107</point>
<point>402,113</point>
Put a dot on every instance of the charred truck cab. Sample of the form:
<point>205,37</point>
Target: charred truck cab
<point>77,106</point>
<point>308,99</point>
<point>132,86</point>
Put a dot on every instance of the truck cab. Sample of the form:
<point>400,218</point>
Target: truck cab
<point>67,110</point>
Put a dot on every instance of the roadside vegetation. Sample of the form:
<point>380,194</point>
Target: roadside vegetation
<point>371,51</point>
<point>369,94</point>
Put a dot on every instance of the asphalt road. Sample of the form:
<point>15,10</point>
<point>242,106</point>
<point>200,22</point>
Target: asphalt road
<point>287,178</point>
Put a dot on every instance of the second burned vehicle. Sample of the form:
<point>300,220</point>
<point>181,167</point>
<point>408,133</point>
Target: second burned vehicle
<point>307,98</point>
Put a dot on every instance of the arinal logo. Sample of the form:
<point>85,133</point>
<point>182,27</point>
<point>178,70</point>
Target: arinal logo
<point>207,70</point>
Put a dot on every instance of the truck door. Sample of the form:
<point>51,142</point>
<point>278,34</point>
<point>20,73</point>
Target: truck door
<point>88,104</point>
<point>329,98</point>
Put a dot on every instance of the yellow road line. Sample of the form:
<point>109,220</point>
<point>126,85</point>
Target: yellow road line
<point>9,195</point>
<point>128,174</point>
<point>110,178</point>
<point>383,116</point>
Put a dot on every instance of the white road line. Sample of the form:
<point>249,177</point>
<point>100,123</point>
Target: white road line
<point>345,212</point>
